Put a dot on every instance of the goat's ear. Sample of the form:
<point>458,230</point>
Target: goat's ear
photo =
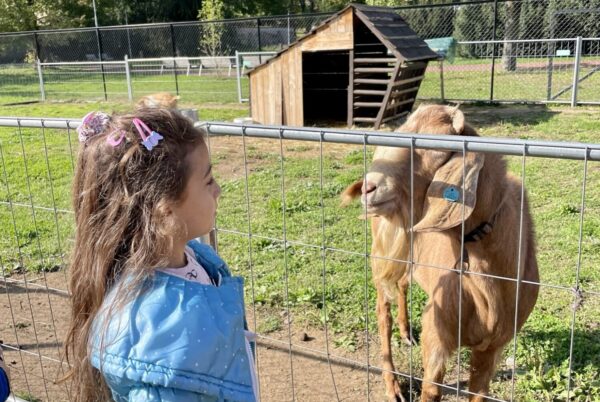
<point>351,192</point>
<point>458,120</point>
<point>443,208</point>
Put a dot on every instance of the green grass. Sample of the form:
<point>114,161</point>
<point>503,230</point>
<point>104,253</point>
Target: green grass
<point>522,85</point>
<point>330,287</point>
<point>21,84</point>
<point>463,79</point>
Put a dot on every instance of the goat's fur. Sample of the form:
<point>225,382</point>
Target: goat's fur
<point>488,306</point>
<point>163,100</point>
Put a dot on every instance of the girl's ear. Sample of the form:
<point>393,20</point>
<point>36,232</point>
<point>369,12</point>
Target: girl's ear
<point>167,220</point>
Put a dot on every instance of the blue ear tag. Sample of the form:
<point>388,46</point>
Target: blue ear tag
<point>451,194</point>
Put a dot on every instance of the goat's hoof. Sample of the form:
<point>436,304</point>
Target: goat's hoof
<point>430,398</point>
<point>409,340</point>
<point>395,395</point>
<point>397,398</point>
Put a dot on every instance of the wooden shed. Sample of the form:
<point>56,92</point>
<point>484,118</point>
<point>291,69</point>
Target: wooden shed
<point>362,65</point>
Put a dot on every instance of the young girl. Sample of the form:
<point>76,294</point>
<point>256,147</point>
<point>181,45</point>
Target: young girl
<point>156,316</point>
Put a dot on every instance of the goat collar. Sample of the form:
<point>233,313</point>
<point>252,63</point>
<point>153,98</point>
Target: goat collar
<point>479,232</point>
<point>475,235</point>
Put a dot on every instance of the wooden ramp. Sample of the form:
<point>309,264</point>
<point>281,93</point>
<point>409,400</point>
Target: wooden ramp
<point>387,66</point>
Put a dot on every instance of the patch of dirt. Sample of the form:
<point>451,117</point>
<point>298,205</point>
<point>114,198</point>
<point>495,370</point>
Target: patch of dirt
<point>228,153</point>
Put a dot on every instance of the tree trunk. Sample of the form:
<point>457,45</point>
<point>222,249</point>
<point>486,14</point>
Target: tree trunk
<point>511,32</point>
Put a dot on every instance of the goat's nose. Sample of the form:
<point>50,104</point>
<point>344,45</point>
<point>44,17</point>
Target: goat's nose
<point>368,187</point>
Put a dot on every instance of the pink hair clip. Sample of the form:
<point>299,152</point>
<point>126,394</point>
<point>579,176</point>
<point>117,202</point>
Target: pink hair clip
<point>152,139</point>
<point>92,124</point>
<point>114,140</point>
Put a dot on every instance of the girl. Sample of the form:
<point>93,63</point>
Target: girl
<point>155,315</point>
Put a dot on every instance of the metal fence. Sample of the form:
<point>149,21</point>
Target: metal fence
<point>515,51</point>
<point>541,70</point>
<point>468,21</point>
<point>305,260</point>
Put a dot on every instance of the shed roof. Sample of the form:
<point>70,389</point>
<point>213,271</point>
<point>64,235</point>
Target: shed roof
<point>386,25</point>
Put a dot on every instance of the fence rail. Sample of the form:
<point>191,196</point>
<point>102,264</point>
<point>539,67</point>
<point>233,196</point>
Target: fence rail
<point>36,159</point>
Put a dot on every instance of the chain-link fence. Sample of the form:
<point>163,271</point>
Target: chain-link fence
<point>514,41</point>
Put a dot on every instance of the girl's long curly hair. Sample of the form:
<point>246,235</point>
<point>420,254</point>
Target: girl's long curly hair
<point>123,226</point>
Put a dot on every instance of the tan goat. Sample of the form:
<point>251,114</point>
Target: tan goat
<point>491,216</point>
<point>164,100</point>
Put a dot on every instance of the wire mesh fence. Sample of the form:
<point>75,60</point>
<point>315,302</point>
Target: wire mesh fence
<point>542,70</point>
<point>512,51</point>
<point>307,262</point>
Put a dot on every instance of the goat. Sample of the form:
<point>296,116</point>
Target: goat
<point>158,100</point>
<point>490,215</point>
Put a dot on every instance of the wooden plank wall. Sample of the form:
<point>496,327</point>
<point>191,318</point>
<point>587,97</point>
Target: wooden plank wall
<point>276,95</point>
<point>337,35</point>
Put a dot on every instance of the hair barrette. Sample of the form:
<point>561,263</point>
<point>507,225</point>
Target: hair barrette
<point>150,140</point>
<point>92,124</point>
<point>114,140</point>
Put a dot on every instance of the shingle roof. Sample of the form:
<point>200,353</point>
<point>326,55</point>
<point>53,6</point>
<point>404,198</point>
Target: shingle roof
<point>394,33</point>
<point>389,28</point>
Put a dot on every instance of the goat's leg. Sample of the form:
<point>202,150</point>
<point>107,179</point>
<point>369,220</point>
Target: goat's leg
<point>402,318</point>
<point>384,322</point>
<point>436,350</point>
<point>483,366</point>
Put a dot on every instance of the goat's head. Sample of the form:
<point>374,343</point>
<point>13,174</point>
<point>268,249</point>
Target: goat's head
<point>437,176</point>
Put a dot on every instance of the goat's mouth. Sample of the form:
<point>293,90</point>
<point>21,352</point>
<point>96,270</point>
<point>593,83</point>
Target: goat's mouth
<point>376,206</point>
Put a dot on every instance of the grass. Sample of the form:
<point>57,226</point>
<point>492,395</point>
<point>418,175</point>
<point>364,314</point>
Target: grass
<point>472,82</point>
<point>295,283</point>
<point>463,79</point>
<point>21,84</point>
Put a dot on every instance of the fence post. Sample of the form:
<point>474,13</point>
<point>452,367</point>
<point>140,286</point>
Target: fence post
<point>576,71</point>
<point>100,51</point>
<point>41,78</point>
<point>442,80</point>
<point>128,78</point>
<point>494,47</point>
<point>174,52</point>
<point>36,43</point>
<point>238,75</point>
<point>258,33</point>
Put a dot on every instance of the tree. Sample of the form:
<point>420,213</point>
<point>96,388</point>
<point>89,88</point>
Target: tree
<point>511,32</point>
<point>211,32</point>
<point>473,22</point>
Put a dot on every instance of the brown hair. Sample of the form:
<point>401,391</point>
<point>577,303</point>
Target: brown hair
<point>122,225</point>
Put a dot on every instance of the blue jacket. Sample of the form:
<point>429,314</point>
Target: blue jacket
<point>4,386</point>
<point>178,340</point>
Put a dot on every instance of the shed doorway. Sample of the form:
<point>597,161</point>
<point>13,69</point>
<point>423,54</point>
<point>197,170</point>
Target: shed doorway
<point>325,79</point>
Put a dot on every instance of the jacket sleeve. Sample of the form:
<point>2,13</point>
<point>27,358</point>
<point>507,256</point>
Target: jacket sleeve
<point>159,394</point>
<point>4,386</point>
